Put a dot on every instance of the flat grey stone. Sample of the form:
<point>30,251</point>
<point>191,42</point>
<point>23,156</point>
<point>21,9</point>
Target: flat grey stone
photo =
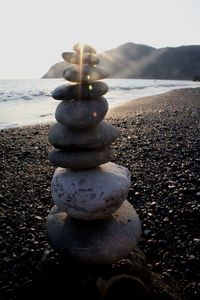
<point>77,58</point>
<point>84,48</point>
<point>95,242</point>
<point>85,73</point>
<point>96,137</point>
<point>84,159</point>
<point>90,194</point>
<point>86,91</point>
<point>81,114</point>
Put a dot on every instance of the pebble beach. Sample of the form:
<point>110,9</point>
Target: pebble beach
<point>160,145</point>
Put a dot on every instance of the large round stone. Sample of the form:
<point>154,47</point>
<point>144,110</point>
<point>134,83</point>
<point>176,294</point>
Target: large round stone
<point>84,159</point>
<point>96,137</point>
<point>90,194</point>
<point>85,73</point>
<point>81,114</point>
<point>83,58</point>
<point>86,91</point>
<point>95,242</point>
<point>84,48</point>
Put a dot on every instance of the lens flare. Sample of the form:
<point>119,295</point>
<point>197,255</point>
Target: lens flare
<point>94,114</point>
<point>80,63</point>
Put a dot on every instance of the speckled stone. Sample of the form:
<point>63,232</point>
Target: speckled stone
<point>95,242</point>
<point>85,73</point>
<point>96,137</point>
<point>84,159</point>
<point>90,194</point>
<point>80,91</point>
<point>77,58</point>
<point>81,114</point>
<point>85,48</point>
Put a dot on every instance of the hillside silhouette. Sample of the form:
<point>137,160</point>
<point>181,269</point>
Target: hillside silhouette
<point>144,62</point>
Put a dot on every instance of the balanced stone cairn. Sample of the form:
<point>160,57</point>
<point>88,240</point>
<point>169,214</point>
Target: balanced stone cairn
<point>91,220</point>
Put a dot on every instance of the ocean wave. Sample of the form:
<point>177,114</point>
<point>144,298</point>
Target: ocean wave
<point>170,85</point>
<point>46,115</point>
<point>154,84</point>
<point>30,90</point>
<point>29,95</point>
<point>127,88</point>
<point>4,125</point>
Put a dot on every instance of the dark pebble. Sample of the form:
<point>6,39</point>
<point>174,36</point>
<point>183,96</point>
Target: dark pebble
<point>163,148</point>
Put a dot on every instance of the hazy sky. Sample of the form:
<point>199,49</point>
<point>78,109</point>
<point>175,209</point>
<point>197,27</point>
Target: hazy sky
<point>34,33</point>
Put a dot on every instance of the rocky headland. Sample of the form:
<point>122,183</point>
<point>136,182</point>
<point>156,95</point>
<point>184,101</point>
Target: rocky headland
<point>132,60</point>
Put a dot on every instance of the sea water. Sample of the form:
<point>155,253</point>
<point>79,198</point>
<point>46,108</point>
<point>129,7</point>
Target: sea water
<point>29,101</point>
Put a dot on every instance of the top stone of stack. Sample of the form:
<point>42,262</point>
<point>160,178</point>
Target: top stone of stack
<point>85,59</point>
<point>84,48</point>
<point>84,55</point>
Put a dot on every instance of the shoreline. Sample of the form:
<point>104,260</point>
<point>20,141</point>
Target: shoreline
<point>157,101</point>
<point>45,115</point>
<point>160,145</point>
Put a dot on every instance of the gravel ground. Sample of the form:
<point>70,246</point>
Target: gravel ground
<point>160,145</point>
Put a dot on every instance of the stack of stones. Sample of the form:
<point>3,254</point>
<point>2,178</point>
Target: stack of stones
<point>91,220</point>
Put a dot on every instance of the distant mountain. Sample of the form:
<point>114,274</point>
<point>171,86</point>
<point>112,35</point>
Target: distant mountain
<point>140,61</point>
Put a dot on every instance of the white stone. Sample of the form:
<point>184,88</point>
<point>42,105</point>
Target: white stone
<point>95,242</point>
<point>90,194</point>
